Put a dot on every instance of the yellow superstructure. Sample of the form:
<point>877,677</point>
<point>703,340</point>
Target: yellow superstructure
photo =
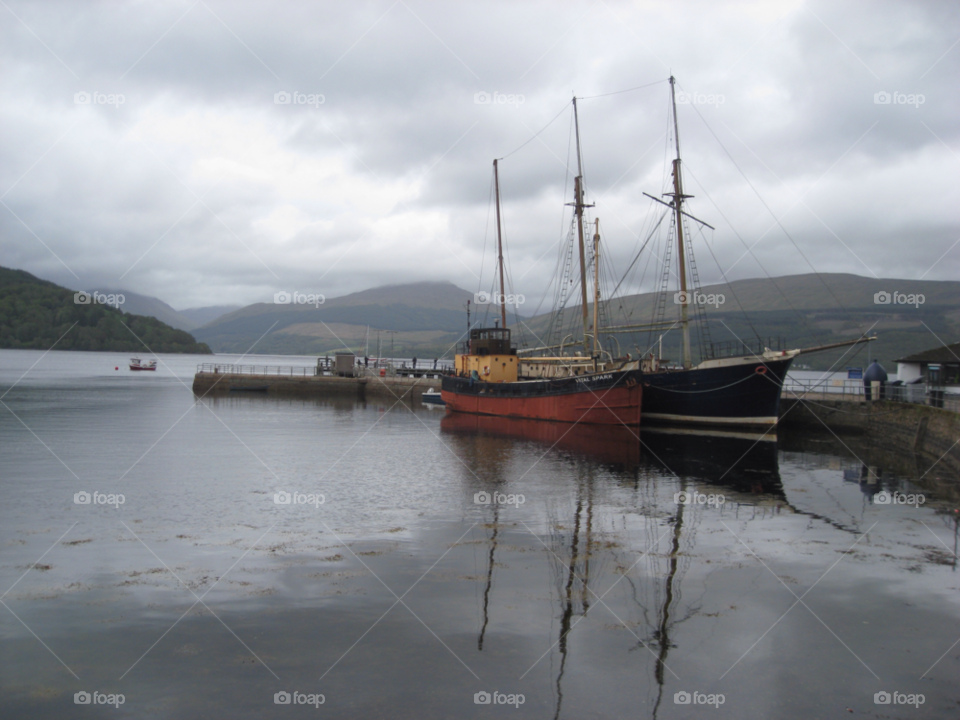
<point>490,356</point>
<point>489,368</point>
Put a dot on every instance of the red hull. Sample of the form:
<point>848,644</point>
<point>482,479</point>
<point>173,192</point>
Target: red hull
<point>610,406</point>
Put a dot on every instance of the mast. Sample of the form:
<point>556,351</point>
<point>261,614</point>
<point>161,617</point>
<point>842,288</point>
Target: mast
<point>503,290</point>
<point>678,197</point>
<point>579,206</point>
<point>596,286</point>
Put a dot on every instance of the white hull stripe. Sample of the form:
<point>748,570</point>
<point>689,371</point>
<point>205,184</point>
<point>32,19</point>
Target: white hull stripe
<point>698,419</point>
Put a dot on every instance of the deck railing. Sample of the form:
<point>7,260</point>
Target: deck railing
<point>388,368</point>
<point>231,369</point>
<point>854,390</point>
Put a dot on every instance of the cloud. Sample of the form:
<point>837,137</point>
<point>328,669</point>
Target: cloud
<point>201,189</point>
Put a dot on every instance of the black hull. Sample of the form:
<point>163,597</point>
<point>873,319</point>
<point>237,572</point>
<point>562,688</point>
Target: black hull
<point>746,395</point>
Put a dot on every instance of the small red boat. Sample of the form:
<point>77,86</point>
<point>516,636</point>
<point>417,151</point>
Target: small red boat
<point>137,364</point>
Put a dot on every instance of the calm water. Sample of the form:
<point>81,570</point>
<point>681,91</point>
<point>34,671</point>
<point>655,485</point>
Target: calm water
<point>402,596</point>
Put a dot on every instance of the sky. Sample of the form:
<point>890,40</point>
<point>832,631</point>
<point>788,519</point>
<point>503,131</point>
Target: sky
<point>149,147</point>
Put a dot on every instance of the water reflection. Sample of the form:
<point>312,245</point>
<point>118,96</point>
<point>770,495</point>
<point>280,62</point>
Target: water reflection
<point>601,573</point>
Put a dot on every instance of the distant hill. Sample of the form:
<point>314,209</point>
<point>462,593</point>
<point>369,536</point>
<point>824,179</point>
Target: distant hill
<point>203,315</point>
<point>807,310</point>
<point>38,314</point>
<point>137,304</point>
<point>427,317</point>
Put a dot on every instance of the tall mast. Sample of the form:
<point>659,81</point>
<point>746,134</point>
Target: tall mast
<point>678,197</point>
<point>596,287</point>
<point>579,206</point>
<point>503,290</point>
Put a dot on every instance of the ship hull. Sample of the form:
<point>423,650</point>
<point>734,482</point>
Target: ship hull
<point>743,394</point>
<point>598,399</point>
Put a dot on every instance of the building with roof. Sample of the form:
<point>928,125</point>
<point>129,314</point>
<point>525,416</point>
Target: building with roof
<point>938,367</point>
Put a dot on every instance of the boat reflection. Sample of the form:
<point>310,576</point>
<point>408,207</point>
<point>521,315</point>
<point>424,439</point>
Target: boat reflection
<point>616,445</point>
<point>746,463</point>
<point>581,549</point>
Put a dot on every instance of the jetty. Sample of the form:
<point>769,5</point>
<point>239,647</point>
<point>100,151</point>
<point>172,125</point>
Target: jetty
<point>384,380</point>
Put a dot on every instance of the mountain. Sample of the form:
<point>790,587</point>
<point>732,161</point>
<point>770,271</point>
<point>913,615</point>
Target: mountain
<point>189,319</point>
<point>427,318</point>
<point>38,314</point>
<point>203,315</point>
<point>154,307</point>
<point>806,310</point>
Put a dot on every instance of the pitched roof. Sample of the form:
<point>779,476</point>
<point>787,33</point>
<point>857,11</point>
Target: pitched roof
<point>942,354</point>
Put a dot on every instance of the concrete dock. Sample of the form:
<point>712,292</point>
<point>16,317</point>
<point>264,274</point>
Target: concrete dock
<point>303,384</point>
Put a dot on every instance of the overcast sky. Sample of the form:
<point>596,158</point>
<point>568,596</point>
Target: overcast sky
<point>184,178</point>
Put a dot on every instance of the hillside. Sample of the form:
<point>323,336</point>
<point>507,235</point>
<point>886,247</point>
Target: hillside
<point>427,317</point>
<point>137,304</point>
<point>35,313</point>
<point>806,310</point>
<point>203,315</point>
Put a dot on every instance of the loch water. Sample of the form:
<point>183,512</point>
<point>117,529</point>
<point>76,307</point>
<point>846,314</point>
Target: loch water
<point>392,561</point>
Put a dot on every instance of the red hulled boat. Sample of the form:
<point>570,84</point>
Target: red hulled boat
<point>486,383</point>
